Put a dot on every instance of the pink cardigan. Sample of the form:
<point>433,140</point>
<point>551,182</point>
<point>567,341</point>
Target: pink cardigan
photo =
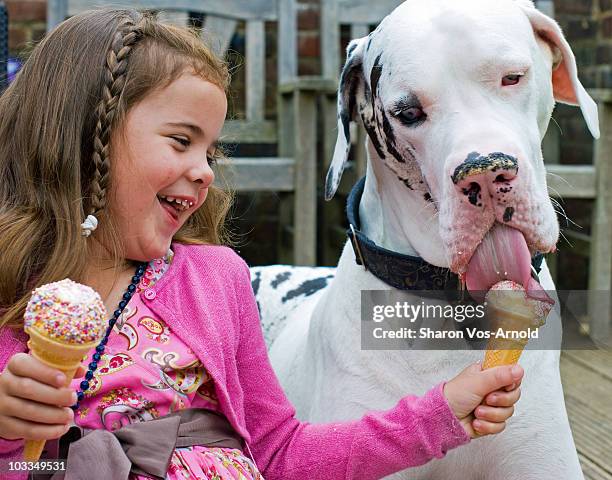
<point>206,298</point>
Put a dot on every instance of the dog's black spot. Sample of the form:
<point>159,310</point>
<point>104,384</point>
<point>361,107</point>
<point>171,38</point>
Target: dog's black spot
<point>280,278</point>
<point>255,282</point>
<point>351,49</point>
<point>329,187</point>
<point>370,129</point>
<point>375,74</point>
<point>390,138</point>
<point>427,196</point>
<point>473,193</point>
<point>475,164</point>
<point>508,212</point>
<point>406,182</point>
<point>307,288</point>
<point>369,42</point>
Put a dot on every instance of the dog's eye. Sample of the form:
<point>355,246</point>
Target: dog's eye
<point>411,115</point>
<point>511,79</point>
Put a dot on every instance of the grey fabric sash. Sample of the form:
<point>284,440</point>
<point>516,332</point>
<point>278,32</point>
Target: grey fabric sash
<point>145,448</point>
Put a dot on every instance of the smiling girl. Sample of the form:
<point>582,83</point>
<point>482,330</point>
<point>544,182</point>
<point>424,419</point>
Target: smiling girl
<point>107,137</point>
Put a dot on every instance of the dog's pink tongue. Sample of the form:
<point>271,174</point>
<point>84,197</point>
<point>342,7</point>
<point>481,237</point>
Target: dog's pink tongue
<point>503,255</point>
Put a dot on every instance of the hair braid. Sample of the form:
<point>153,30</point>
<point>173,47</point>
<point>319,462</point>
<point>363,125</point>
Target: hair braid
<point>126,36</point>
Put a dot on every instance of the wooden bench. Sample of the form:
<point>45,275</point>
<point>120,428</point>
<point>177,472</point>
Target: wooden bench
<point>292,131</point>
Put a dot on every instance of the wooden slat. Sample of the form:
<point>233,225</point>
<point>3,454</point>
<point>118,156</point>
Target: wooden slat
<point>587,384</point>
<point>255,70</point>
<point>592,433</point>
<point>571,181</point>
<point>265,10</point>
<point>581,242</point>
<point>600,268</point>
<point>242,131</point>
<point>305,210</point>
<point>359,30</point>
<point>57,11</point>
<point>287,41</point>
<point>180,19</point>
<point>218,31</point>
<point>583,383</point>
<point>598,361</point>
<point>366,11</point>
<point>546,6</point>
<point>592,471</point>
<point>257,174</point>
<point>330,39</point>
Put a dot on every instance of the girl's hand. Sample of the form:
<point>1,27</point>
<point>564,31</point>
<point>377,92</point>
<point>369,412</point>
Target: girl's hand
<point>34,404</point>
<point>498,387</point>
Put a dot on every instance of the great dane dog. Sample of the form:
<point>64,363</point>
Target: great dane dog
<point>455,96</point>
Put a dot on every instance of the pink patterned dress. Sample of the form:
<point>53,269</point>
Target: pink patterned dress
<point>147,372</point>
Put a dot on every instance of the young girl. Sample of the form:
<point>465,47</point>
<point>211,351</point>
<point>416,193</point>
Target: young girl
<point>107,137</point>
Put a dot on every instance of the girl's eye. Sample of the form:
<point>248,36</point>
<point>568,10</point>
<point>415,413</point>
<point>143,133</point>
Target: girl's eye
<point>183,141</point>
<point>513,79</point>
<point>411,116</point>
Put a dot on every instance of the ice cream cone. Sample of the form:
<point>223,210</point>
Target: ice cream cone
<point>510,310</point>
<point>62,356</point>
<point>64,320</point>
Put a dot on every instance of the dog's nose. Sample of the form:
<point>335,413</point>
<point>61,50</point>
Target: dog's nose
<point>485,174</point>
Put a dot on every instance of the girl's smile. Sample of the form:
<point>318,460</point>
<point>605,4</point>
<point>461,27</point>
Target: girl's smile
<point>160,163</point>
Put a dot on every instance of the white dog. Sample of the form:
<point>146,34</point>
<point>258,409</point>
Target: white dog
<point>455,96</point>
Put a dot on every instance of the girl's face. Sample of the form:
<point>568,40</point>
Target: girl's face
<point>160,169</point>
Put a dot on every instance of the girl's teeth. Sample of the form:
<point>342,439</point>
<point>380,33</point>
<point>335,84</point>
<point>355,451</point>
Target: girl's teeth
<point>180,204</point>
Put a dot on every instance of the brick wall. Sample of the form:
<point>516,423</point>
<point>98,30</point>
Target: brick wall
<point>26,23</point>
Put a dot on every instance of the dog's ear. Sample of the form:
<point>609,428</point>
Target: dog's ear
<point>351,77</point>
<point>566,85</point>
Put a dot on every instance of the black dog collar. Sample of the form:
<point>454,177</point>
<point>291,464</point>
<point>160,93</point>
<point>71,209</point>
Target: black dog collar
<point>403,272</point>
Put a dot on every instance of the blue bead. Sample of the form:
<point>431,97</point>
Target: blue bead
<point>126,297</point>
<point>96,356</point>
<point>122,304</point>
<point>89,375</point>
<point>117,313</point>
<point>84,385</point>
<point>104,341</point>
<point>93,366</point>
<point>75,406</point>
<point>80,396</point>
<point>100,348</point>
<point>135,279</point>
<point>131,288</point>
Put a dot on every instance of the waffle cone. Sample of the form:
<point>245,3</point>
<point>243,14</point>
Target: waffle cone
<point>506,351</point>
<point>61,356</point>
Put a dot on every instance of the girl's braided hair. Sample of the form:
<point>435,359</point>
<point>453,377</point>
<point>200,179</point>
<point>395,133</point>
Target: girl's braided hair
<point>117,60</point>
<point>57,124</point>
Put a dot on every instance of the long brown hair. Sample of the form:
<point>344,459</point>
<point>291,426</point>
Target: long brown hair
<point>56,123</point>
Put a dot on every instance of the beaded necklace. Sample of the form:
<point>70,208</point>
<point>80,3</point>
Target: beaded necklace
<point>93,365</point>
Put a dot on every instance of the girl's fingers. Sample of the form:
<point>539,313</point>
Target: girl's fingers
<point>482,427</point>
<point>80,372</point>
<point>513,386</point>
<point>493,414</point>
<point>24,365</point>
<point>17,428</point>
<point>29,389</point>
<point>500,398</point>
<point>37,412</point>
